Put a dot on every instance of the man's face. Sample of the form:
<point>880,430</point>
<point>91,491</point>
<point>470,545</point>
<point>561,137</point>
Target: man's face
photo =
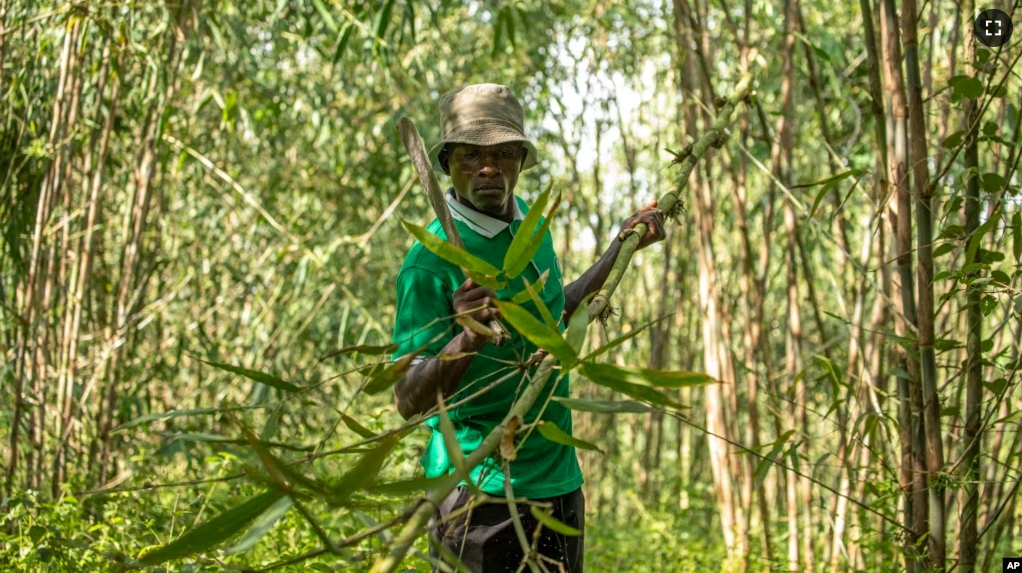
<point>484,177</point>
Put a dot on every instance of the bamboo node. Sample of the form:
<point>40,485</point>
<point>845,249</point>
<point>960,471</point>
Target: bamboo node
<point>507,441</point>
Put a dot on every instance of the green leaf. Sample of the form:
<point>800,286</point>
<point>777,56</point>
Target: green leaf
<point>953,140</point>
<point>941,276</point>
<point>987,304</point>
<point>988,257</point>
<point>548,521</point>
<point>414,485</point>
<point>620,340</point>
<point>382,377</point>
<point>263,524</point>
<point>829,184</point>
<point>557,436</point>
<point>576,333</point>
<point>771,458</point>
<point>530,235</point>
<point>261,377</point>
<point>992,182</point>
<point>634,390</point>
<point>650,377</point>
<point>537,332</point>
<point>1010,418</point>
<point>525,296</point>
<point>450,253</point>
<point>604,406</point>
<point>325,15</point>
<point>215,531</point>
<point>383,19</point>
<point>943,249</point>
<point>177,414</point>
<point>354,426</point>
<point>997,386</point>
<point>966,86</point>
<point>544,312</point>
<point>368,350</point>
<point>363,473</point>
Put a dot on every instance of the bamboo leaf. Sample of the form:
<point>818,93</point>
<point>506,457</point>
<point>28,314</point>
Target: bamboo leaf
<point>325,15</point>
<point>634,390</point>
<point>262,525</point>
<point>966,86</point>
<point>363,473</point>
<point>414,485</point>
<point>525,296</point>
<point>215,531</point>
<point>604,406</point>
<point>544,312</point>
<point>368,350</point>
<point>538,333</point>
<point>556,435</point>
<point>548,521</point>
<point>178,414</point>
<point>450,253</point>
<point>620,340</point>
<point>518,254</point>
<point>382,377</point>
<point>661,378</point>
<point>354,426</point>
<point>829,184</point>
<point>576,333</point>
<point>254,375</point>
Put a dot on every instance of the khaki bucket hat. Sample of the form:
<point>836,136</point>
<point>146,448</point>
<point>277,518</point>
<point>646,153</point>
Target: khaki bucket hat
<point>482,114</point>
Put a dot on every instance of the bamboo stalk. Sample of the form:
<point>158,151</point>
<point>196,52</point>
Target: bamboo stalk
<point>968,538</point>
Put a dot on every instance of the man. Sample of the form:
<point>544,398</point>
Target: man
<point>483,149</point>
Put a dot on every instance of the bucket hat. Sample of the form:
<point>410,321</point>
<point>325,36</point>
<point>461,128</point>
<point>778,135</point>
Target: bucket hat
<point>482,114</point>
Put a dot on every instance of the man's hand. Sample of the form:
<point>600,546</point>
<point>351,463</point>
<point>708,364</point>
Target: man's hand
<point>654,220</point>
<point>477,303</point>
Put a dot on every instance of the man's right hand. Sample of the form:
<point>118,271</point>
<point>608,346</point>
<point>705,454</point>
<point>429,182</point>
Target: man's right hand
<point>477,303</point>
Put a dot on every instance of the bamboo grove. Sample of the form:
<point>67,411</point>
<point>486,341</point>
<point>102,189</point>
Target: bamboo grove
<point>202,203</point>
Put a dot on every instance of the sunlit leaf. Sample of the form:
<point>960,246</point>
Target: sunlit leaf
<point>638,391</point>
<point>212,533</point>
<point>576,333</point>
<point>261,377</point>
<point>450,253</point>
<point>523,246</point>
<point>524,296</point>
<point>537,332</point>
<point>556,435</point>
<point>661,378</point>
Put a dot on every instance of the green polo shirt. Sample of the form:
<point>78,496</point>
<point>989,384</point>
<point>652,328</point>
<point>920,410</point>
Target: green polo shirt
<point>425,288</point>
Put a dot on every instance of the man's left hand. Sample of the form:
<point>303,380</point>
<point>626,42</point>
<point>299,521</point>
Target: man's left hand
<point>654,220</point>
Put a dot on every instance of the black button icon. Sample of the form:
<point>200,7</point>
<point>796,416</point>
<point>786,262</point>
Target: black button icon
<point>993,28</point>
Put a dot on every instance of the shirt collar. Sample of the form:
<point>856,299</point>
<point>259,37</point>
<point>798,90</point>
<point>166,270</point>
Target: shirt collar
<point>485,225</point>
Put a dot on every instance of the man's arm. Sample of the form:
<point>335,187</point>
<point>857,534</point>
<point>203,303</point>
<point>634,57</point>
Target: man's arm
<point>592,280</point>
<point>416,391</point>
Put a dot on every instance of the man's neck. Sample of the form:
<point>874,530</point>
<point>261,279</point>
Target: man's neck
<point>506,215</point>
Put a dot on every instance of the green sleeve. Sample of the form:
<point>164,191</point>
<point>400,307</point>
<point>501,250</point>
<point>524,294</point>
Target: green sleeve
<point>423,313</point>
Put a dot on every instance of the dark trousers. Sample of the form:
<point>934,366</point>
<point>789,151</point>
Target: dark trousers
<point>484,538</point>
